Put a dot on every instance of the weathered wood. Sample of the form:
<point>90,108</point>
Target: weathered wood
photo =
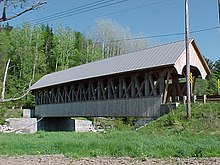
<point>118,108</point>
<point>166,88</point>
<point>103,90</point>
<point>109,89</point>
<point>132,87</point>
<point>146,85</point>
<point>89,92</point>
<point>152,86</point>
<point>120,88</point>
<point>125,88</point>
<point>161,83</point>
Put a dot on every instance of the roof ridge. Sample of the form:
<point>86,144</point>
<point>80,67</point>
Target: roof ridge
<point>156,46</point>
<point>164,44</point>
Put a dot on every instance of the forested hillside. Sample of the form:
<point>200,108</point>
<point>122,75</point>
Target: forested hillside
<point>34,51</point>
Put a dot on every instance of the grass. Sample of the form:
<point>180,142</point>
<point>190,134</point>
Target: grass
<point>205,119</point>
<point>169,136</point>
<point>9,113</point>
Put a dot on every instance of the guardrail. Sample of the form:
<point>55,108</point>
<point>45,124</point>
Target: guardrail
<point>209,98</point>
<point>203,98</point>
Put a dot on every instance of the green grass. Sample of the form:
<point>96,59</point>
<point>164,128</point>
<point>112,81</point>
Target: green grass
<point>205,119</point>
<point>170,136</point>
<point>9,113</point>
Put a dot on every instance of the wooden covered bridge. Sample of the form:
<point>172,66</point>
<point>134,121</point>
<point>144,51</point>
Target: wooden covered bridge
<point>134,84</point>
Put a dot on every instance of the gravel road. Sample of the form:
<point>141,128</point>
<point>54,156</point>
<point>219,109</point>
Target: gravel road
<point>62,160</point>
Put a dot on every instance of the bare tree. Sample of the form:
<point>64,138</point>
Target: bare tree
<point>6,3</point>
<point>115,39</point>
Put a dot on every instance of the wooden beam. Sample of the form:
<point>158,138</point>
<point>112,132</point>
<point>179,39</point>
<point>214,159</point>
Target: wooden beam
<point>99,90</point>
<point>161,83</point>
<point>133,87</point>
<point>166,88</point>
<point>138,87</point>
<point>120,86</point>
<point>153,87</point>
<point>125,88</point>
<point>109,89</point>
<point>146,85</point>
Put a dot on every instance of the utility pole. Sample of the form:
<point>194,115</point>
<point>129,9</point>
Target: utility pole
<point>188,105</point>
<point>219,11</point>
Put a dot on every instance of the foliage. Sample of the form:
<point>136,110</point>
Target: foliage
<point>209,86</point>
<point>38,50</point>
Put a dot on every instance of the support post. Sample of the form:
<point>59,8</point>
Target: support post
<point>188,106</point>
<point>204,99</point>
<point>146,85</point>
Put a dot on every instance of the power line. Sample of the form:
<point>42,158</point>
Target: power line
<point>122,11</point>
<point>100,2</point>
<point>86,9</point>
<point>166,35</point>
<point>60,14</point>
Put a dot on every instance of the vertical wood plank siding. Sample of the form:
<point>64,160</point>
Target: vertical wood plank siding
<point>143,107</point>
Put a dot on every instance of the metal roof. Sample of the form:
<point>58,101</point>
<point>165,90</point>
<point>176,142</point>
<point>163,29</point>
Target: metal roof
<point>157,56</point>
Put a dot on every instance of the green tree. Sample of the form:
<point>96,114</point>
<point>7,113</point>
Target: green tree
<point>209,85</point>
<point>47,48</point>
<point>24,48</point>
<point>38,50</point>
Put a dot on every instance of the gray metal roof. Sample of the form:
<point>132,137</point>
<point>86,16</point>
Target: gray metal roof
<point>162,55</point>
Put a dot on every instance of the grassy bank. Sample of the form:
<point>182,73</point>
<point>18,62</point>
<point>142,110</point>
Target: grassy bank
<point>169,136</point>
<point>9,113</point>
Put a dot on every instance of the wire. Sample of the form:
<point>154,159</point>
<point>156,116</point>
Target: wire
<point>80,9</point>
<point>80,12</point>
<point>72,10</point>
<point>165,35</point>
<point>54,16</point>
<point>122,11</point>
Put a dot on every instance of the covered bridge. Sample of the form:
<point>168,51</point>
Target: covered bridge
<point>134,84</point>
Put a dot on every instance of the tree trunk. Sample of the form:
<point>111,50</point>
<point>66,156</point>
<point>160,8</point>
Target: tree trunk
<point>4,80</point>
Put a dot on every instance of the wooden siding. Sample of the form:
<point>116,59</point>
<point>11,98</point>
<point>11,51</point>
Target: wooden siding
<point>142,107</point>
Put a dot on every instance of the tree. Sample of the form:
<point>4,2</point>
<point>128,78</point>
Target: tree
<point>48,46</point>
<point>72,48</point>
<point>210,63</point>
<point>16,4</point>
<point>5,17</point>
<point>209,85</point>
<point>115,39</point>
<point>23,47</point>
<point>38,50</point>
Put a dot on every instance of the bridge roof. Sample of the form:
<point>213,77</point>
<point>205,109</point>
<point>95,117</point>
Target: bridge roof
<point>153,57</point>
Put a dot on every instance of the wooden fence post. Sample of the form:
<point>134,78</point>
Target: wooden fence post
<point>204,99</point>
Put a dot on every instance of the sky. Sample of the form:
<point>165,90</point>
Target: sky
<point>148,18</point>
